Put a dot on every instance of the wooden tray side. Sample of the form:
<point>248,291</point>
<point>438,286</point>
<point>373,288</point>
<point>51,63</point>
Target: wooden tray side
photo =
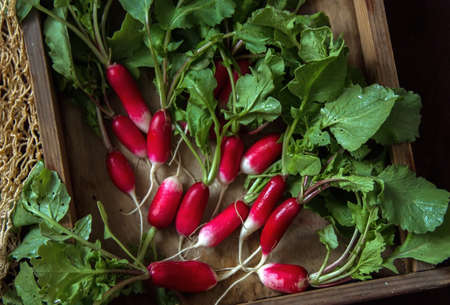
<point>366,291</point>
<point>47,107</point>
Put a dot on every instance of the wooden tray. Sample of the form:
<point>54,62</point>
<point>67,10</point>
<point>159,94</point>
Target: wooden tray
<point>76,153</point>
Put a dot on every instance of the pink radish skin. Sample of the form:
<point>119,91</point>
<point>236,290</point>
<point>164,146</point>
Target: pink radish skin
<point>120,171</point>
<point>226,90</point>
<point>129,135</point>
<point>126,88</point>
<point>261,155</point>
<point>221,77</point>
<point>186,276</point>
<point>220,227</point>
<point>277,224</point>
<point>284,277</point>
<point>165,203</point>
<point>232,150</point>
<point>191,210</point>
<point>263,206</point>
<point>159,138</point>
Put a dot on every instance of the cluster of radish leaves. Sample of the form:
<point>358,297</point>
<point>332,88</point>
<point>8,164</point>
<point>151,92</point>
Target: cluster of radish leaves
<point>338,134</point>
<point>78,271</point>
<point>337,131</point>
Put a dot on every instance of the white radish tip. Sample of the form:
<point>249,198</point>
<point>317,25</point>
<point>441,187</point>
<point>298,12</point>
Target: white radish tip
<point>246,167</point>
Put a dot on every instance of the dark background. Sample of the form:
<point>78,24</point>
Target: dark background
<point>420,34</point>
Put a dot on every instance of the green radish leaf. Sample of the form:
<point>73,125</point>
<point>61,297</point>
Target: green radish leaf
<point>328,237</point>
<point>138,9</point>
<point>60,50</point>
<point>357,114</point>
<point>370,260</point>
<point>129,39</point>
<point>303,164</point>
<point>340,212</point>
<point>432,247</point>
<point>29,246</point>
<point>10,297</point>
<point>26,286</point>
<point>194,12</point>
<point>402,125</point>
<point>83,227</point>
<point>411,202</point>
<point>23,8</point>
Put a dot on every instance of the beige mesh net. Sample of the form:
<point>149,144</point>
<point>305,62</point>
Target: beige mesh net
<point>20,147</point>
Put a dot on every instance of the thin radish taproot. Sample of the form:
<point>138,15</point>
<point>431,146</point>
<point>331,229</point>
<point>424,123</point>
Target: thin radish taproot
<point>261,155</point>
<point>129,135</point>
<point>187,276</point>
<point>165,203</point>
<point>285,278</point>
<point>261,209</point>
<point>126,88</point>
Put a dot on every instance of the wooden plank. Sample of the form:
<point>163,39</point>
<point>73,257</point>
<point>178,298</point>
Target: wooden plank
<point>50,127</point>
<point>366,291</point>
<point>380,67</point>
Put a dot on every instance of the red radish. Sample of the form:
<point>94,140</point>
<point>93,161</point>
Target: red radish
<point>129,135</point>
<point>261,155</point>
<point>232,150</point>
<point>126,88</point>
<point>220,227</point>
<point>120,171</point>
<point>165,203</point>
<point>284,277</point>
<point>226,90</point>
<point>159,137</point>
<point>187,276</point>
<point>191,209</point>
<point>261,208</point>
<point>123,177</point>
<point>221,77</point>
<point>277,224</point>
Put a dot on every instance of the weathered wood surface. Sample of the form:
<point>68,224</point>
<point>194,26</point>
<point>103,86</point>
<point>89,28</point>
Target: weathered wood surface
<point>47,107</point>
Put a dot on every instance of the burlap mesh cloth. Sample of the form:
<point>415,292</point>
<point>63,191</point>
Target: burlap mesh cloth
<point>20,147</point>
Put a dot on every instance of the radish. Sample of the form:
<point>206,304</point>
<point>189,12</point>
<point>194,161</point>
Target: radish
<point>122,175</point>
<point>165,203</point>
<point>129,135</point>
<point>261,154</point>
<point>159,138</point>
<point>285,278</point>
<point>221,77</point>
<point>232,150</point>
<point>158,147</point>
<point>125,87</point>
<point>277,224</point>
<point>187,276</point>
<point>191,209</point>
<point>226,90</point>
<point>220,227</point>
<point>261,209</point>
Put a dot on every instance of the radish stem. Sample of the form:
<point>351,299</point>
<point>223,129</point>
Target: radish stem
<point>344,255</point>
<point>121,285</point>
<point>147,241</point>
<point>154,167</point>
<point>102,58</point>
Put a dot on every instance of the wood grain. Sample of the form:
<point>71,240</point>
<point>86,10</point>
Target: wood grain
<point>366,291</point>
<point>47,107</point>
